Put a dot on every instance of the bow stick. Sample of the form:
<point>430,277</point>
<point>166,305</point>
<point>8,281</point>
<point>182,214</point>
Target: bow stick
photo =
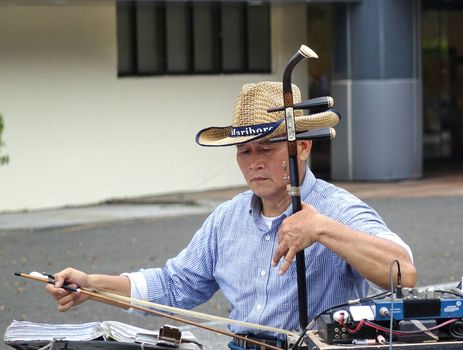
<point>171,309</point>
<point>196,314</point>
<point>295,190</point>
<point>117,300</point>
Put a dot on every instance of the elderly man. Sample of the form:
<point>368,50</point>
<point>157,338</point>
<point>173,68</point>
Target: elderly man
<point>246,247</point>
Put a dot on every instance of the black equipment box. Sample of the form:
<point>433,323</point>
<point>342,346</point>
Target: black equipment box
<point>333,333</point>
<point>315,343</point>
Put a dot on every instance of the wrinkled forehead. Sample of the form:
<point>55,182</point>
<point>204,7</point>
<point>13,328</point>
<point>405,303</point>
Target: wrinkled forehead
<point>259,143</point>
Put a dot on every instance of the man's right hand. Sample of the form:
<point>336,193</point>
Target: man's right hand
<point>66,299</point>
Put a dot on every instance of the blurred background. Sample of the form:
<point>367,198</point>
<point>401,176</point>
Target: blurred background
<point>102,99</point>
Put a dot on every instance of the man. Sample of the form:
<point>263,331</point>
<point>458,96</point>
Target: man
<point>246,247</point>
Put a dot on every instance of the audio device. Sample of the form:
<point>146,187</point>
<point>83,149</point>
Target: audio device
<point>411,315</point>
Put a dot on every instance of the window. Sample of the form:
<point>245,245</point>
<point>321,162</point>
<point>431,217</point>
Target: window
<point>203,37</point>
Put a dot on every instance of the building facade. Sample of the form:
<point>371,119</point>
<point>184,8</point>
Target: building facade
<point>102,99</point>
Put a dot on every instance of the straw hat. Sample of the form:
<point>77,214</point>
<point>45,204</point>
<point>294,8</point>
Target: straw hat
<point>252,122</point>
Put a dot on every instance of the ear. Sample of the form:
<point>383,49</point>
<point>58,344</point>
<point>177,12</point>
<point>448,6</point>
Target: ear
<point>303,149</point>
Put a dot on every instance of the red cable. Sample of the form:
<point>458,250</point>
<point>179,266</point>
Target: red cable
<point>387,330</point>
<point>357,328</point>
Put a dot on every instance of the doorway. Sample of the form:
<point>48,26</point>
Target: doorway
<point>319,34</point>
<point>442,62</point>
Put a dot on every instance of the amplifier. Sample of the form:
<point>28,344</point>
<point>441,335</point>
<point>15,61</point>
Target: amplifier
<point>421,309</point>
<point>417,317</point>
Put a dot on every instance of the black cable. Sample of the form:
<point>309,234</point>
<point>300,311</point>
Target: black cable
<point>350,302</point>
<point>448,292</point>
<point>419,331</point>
<point>398,293</point>
<point>456,330</point>
<point>391,312</point>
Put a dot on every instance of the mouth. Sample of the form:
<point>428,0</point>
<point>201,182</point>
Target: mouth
<point>258,179</point>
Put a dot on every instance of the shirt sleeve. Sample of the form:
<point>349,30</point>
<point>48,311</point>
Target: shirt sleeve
<point>358,215</point>
<point>361,217</point>
<point>187,280</point>
<point>138,286</point>
<point>396,239</point>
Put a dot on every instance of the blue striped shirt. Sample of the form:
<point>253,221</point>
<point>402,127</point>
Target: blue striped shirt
<point>233,251</point>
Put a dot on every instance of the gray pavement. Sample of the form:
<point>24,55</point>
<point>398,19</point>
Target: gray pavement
<point>116,211</point>
<point>440,185</point>
<point>126,235</point>
<point>95,214</point>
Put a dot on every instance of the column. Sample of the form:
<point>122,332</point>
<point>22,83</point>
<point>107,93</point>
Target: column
<point>377,88</point>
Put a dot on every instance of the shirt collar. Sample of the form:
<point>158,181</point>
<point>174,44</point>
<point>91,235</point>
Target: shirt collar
<point>308,183</point>
<point>255,206</point>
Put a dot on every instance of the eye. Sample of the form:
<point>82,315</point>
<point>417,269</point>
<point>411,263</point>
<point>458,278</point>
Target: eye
<point>243,150</point>
<point>267,149</point>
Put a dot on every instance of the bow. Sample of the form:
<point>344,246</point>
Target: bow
<point>153,309</point>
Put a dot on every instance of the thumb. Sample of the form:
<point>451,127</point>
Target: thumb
<point>59,281</point>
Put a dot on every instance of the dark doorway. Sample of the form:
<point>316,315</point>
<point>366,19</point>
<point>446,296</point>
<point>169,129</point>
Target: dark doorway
<point>442,61</point>
<point>319,26</point>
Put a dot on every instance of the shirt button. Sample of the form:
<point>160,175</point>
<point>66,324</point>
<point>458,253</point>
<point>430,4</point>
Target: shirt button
<point>262,273</point>
<point>267,237</point>
<point>258,306</point>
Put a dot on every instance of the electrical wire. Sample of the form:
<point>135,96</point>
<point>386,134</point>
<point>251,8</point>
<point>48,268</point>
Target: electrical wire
<point>348,303</point>
<point>456,330</point>
<point>459,284</point>
<point>449,292</point>
<point>391,312</point>
<point>387,330</point>
<point>357,328</point>
<point>457,291</point>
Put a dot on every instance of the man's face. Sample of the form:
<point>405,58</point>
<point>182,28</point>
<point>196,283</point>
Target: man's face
<point>264,167</point>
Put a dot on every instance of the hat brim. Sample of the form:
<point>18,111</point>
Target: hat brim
<point>221,136</point>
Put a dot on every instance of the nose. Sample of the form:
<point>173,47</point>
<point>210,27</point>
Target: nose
<point>256,162</point>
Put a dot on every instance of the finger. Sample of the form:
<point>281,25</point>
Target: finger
<point>67,306</point>
<point>55,292</point>
<point>284,267</point>
<point>59,280</point>
<point>279,253</point>
<point>287,262</point>
<point>66,299</point>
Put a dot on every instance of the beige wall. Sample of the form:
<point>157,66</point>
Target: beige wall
<point>77,134</point>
